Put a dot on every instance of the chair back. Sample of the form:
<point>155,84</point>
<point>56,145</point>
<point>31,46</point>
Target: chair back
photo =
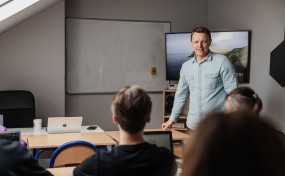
<point>72,153</point>
<point>44,153</point>
<point>17,108</point>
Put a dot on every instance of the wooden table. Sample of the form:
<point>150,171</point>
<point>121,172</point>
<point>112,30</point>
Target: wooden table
<point>67,170</point>
<point>55,140</point>
<point>24,137</point>
<point>176,135</point>
<point>61,171</point>
<point>25,132</point>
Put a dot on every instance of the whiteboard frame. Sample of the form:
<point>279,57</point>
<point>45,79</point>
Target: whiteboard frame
<point>162,73</point>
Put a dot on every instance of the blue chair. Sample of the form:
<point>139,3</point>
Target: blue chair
<point>43,150</point>
<point>72,153</point>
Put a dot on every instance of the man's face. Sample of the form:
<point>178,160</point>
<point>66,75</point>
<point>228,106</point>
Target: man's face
<point>200,44</point>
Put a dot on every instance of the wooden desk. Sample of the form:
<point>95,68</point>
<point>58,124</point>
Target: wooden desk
<point>60,171</point>
<point>25,132</point>
<point>30,131</point>
<point>24,137</point>
<point>55,140</point>
<point>176,135</point>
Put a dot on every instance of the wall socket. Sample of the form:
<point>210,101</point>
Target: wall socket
<point>153,71</point>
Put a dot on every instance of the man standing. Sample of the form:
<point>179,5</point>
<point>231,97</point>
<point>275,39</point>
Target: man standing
<point>207,76</point>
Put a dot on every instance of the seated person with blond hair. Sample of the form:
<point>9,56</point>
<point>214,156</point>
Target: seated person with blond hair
<point>243,99</point>
<point>131,109</point>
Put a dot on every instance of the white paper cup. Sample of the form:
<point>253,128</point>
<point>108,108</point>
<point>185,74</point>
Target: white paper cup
<point>37,125</point>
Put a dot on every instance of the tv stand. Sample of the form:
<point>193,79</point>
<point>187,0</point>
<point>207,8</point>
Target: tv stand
<point>172,86</point>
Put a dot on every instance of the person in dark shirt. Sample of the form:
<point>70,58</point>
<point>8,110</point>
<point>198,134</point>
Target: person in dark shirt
<point>17,160</point>
<point>131,109</point>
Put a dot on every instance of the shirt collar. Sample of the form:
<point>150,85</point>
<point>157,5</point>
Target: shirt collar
<point>209,57</point>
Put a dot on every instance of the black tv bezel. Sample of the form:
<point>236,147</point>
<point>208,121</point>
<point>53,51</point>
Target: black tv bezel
<point>247,70</point>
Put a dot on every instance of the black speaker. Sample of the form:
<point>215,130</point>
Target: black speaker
<point>169,100</point>
<point>277,62</point>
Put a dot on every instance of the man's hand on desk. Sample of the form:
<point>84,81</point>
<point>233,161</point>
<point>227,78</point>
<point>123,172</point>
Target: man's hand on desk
<point>167,125</point>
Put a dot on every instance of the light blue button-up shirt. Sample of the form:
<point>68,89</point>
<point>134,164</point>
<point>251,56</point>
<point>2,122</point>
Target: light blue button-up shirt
<point>208,83</point>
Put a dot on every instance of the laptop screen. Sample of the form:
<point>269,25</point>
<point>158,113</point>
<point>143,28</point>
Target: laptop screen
<point>11,135</point>
<point>160,138</point>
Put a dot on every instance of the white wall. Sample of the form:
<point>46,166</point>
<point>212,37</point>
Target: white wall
<point>32,58</point>
<point>184,16</point>
<point>32,53</point>
<point>266,19</point>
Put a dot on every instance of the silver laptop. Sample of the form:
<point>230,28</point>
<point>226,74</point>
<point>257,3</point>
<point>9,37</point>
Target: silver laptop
<point>64,124</point>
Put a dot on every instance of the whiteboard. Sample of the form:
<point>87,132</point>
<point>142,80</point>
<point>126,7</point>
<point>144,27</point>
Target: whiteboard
<point>102,56</point>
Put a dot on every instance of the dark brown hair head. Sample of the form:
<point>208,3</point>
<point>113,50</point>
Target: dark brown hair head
<point>132,107</point>
<point>234,144</point>
<point>201,30</point>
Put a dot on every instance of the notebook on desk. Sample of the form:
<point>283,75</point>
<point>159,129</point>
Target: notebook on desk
<point>160,138</point>
<point>11,135</point>
<point>64,124</point>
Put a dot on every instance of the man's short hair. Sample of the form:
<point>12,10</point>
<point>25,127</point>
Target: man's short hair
<point>201,30</point>
<point>132,107</point>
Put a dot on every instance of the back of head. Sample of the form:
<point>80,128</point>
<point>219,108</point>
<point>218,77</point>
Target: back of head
<point>243,99</point>
<point>234,144</point>
<point>132,107</point>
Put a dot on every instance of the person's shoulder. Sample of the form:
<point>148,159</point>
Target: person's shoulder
<point>89,165</point>
<point>191,59</point>
<point>218,56</point>
<point>13,155</point>
<point>189,62</point>
<point>281,135</point>
<point>160,150</point>
<point>8,146</point>
<point>163,155</point>
<point>220,59</point>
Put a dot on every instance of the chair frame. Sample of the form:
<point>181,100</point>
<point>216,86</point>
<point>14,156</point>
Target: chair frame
<point>40,151</point>
<point>65,154</point>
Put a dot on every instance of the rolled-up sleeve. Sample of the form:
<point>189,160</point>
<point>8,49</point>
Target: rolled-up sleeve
<point>229,77</point>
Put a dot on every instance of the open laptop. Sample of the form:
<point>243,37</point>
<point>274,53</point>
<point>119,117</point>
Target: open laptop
<point>11,135</point>
<point>160,138</point>
<point>64,124</point>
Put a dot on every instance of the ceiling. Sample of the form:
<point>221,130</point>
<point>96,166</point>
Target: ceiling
<point>26,13</point>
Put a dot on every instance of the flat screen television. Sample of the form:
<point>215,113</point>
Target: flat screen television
<point>234,44</point>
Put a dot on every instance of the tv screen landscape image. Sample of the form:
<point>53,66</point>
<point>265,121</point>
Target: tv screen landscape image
<point>233,44</point>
